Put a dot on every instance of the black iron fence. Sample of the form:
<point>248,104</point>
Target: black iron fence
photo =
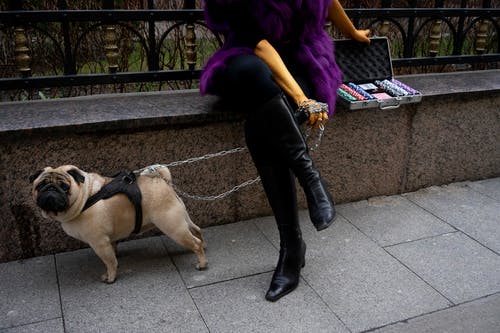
<point>40,49</point>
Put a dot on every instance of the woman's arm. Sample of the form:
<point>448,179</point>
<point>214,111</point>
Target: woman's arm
<point>267,53</point>
<point>339,18</point>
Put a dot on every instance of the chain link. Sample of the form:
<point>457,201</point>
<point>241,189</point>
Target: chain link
<point>155,167</point>
<point>308,133</point>
<point>207,156</point>
<point>216,197</point>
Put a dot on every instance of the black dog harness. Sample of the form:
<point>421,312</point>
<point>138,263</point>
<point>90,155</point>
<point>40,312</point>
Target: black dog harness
<point>124,183</point>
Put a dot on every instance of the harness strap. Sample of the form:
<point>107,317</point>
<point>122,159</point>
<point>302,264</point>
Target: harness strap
<point>124,183</point>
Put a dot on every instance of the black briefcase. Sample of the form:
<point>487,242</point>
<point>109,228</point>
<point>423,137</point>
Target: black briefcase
<point>367,76</point>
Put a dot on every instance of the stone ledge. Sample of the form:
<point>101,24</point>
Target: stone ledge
<point>145,110</point>
<point>446,84</point>
<point>110,112</point>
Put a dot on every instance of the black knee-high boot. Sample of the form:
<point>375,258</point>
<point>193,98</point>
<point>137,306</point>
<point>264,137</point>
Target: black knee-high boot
<point>279,130</point>
<point>279,185</point>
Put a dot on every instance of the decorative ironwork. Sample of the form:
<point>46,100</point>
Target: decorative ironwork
<point>482,34</point>
<point>23,58</point>
<point>435,37</point>
<point>384,28</point>
<point>190,38</point>
<point>111,48</point>
<point>153,29</point>
<point>190,45</point>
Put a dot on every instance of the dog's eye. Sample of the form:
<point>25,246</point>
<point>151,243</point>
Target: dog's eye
<point>64,187</point>
<point>42,184</point>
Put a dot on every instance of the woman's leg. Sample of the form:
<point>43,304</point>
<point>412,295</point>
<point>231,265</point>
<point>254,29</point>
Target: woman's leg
<point>277,146</point>
<point>279,185</point>
<point>280,131</point>
<point>248,82</point>
<point>248,79</point>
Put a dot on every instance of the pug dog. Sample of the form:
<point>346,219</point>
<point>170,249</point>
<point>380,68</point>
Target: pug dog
<point>62,193</point>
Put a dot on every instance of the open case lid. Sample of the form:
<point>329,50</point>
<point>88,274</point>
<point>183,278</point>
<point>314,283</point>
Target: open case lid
<point>362,63</point>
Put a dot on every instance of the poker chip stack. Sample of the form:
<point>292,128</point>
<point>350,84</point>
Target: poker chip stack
<point>345,95</point>
<point>353,91</point>
<point>403,86</point>
<point>391,88</point>
<point>385,88</point>
<point>360,91</point>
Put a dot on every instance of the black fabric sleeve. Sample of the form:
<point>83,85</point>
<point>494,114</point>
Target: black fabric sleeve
<point>243,26</point>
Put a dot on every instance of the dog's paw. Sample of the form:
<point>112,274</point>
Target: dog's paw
<point>202,266</point>
<point>106,279</point>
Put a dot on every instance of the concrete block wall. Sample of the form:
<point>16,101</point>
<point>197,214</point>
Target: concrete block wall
<point>452,135</point>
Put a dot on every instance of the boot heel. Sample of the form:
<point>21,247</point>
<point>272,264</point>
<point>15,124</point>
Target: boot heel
<point>321,207</point>
<point>303,254</point>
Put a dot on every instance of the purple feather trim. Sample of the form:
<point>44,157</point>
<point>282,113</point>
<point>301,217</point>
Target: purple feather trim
<point>313,46</point>
<point>217,62</point>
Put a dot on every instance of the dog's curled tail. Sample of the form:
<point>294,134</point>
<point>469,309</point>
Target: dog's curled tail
<point>156,170</point>
<point>165,174</point>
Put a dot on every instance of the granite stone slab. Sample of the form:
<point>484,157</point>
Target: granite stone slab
<point>370,147</point>
<point>481,316</point>
<point>364,285</point>
<point>441,84</point>
<point>488,187</point>
<point>392,220</point>
<point>454,264</point>
<point>49,326</point>
<point>148,296</point>
<point>239,306</point>
<point>110,111</point>
<point>453,138</point>
<point>234,250</point>
<point>467,210</point>
<point>28,292</point>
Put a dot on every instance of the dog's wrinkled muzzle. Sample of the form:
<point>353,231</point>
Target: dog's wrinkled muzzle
<point>52,198</point>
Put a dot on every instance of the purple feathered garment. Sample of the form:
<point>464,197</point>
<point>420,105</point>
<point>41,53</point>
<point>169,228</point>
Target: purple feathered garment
<point>312,46</point>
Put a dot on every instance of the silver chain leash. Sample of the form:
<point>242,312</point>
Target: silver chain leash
<point>207,156</point>
<point>308,133</point>
<point>219,196</point>
<point>309,107</point>
<point>155,167</point>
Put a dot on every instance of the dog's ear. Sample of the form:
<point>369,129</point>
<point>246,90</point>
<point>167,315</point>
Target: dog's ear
<point>79,178</point>
<point>35,176</point>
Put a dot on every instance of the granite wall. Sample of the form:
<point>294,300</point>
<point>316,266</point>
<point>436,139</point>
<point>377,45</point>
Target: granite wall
<point>452,135</point>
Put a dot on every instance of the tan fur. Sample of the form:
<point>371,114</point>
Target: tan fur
<point>110,220</point>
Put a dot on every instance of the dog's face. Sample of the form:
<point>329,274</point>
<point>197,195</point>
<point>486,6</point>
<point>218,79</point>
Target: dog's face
<point>56,190</point>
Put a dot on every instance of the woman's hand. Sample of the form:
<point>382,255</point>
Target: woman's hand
<point>337,15</point>
<point>361,36</point>
<point>317,119</point>
<point>318,112</point>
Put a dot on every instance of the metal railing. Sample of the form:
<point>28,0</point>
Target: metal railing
<point>419,37</point>
<point>460,25</point>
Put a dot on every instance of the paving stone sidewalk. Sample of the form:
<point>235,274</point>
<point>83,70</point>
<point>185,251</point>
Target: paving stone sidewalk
<point>427,261</point>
